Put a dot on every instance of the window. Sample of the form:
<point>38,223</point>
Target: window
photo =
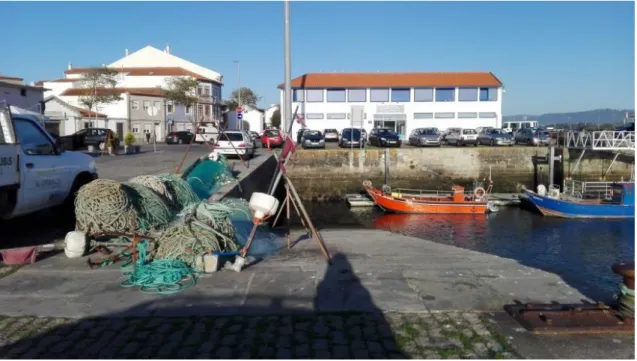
<point>206,91</point>
<point>423,115</point>
<point>379,95</point>
<point>135,105</point>
<point>444,115</point>
<point>135,127</point>
<point>336,115</point>
<point>33,140</point>
<point>400,95</point>
<point>157,106</point>
<point>233,137</point>
<point>314,116</point>
<point>207,110</point>
<point>357,95</point>
<point>468,94</point>
<point>467,115</point>
<point>488,94</point>
<point>314,95</point>
<point>297,95</point>
<point>336,95</point>
<point>424,95</point>
<point>445,94</point>
<point>169,108</point>
<point>199,90</point>
<point>487,115</point>
<point>469,131</point>
<point>188,109</point>
<point>199,110</point>
<point>146,104</point>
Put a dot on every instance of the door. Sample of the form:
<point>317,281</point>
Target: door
<point>45,181</point>
<point>120,130</point>
<point>401,128</point>
<point>158,134</point>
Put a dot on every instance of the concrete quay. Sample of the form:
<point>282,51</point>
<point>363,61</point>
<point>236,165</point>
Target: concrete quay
<point>373,272</point>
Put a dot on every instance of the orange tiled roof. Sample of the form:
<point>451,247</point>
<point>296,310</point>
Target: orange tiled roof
<point>6,77</point>
<point>88,114</point>
<point>393,80</point>
<point>156,92</point>
<point>160,71</point>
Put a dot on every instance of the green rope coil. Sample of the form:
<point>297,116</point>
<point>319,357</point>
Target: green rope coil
<point>159,276</point>
<point>181,192</point>
<point>626,301</point>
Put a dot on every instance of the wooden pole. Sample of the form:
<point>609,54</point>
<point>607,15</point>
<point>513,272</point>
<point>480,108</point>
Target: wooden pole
<point>387,166</point>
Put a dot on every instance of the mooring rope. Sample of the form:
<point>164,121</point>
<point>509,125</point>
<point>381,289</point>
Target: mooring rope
<point>626,301</point>
<point>159,276</point>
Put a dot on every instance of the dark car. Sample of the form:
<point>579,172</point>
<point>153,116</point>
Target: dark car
<point>626,128</point>
<point>384,137</point>
<point>180,137</point>
<point>299,135</point>
<point>532,136</point>
<point>351,138</point>
<point>85,137</point>
<point>312,139</point>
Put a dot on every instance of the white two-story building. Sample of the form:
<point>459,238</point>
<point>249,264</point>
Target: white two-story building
<point>142,108</point>
<point>401,101</point>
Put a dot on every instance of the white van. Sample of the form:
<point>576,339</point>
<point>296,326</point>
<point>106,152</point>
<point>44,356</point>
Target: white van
<point>513,127</point>
<point>207,133</point>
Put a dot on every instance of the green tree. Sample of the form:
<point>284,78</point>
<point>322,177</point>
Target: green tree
<point>101,83</point>
<point>248,97</point>
<point>182,91</point>
<point>275,119</point>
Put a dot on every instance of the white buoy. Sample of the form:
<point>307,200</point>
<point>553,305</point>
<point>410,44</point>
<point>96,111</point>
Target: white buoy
<point>213,156</point>
<point>263,205</point>
<point>75,244</point>
<point>541,190</point>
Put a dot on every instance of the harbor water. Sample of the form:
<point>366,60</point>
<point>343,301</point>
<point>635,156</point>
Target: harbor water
<point>578,250</point>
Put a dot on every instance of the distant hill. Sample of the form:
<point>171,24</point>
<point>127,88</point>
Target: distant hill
<point>591,116</point>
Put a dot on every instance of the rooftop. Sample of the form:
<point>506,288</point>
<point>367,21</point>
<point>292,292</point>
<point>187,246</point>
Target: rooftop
<point>147,71</point>
<point>156,92</point>
<point>377,80</point>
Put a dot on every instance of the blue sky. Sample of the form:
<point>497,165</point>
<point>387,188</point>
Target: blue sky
<point>551,56</point>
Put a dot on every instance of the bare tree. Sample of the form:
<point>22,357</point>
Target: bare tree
<point>101,85</point>
<point>183,91</point>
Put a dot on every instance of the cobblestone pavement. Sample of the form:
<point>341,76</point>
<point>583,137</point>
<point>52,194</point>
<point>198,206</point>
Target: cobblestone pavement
<point>431,335</point>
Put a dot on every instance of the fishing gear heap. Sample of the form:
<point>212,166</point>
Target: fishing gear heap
<point>160,225</point>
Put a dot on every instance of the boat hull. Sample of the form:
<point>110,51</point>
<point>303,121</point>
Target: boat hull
<point>422,206</point>
<point>559,208</point>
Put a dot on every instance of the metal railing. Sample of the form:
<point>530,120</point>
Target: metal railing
<point>601,140</point>
<point>589,190</point>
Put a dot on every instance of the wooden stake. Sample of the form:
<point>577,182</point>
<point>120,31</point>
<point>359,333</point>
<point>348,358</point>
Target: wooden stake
<point>287,208</point>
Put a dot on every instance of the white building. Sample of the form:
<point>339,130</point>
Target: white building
<point>269,112</point>
<point>402,101</point>
<point>253,119</point>
<point>14,92</point>
<point>142,108</point>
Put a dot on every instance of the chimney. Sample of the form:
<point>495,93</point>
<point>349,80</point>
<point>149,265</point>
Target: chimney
<point>167,49</point>
<point>126,52</point>
<point>70,66</point>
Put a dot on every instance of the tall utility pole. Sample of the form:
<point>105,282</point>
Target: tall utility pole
<point>239,82</point>
<point>287,66</point>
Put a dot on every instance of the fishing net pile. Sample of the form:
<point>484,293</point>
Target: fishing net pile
<point>208,176</point>
<point>172,187</point>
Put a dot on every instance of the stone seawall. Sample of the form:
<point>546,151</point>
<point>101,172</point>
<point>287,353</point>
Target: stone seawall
<point>332,173</point>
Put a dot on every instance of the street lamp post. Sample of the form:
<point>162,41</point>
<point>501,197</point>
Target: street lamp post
<point>287,64</point>
<point>239,83</point>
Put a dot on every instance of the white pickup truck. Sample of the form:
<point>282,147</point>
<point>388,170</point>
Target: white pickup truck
<point>35,172</point>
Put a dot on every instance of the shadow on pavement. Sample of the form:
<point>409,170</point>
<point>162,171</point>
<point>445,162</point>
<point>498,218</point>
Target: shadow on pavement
<point>344,323</point>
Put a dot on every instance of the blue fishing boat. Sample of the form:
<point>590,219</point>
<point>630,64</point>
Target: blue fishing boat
<point>619,204</point>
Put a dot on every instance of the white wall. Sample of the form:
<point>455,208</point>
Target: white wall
<point>252,119</point>
<point>269,112</point>
<point>11,95</point>
<point>408,108</point>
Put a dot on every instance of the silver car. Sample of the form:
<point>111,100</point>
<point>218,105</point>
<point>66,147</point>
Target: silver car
<point>463,136</point>
<point>494,136</point>
<point>425,137</point>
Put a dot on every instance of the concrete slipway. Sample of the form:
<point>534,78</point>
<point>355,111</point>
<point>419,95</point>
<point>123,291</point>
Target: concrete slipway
<point>397,273</point>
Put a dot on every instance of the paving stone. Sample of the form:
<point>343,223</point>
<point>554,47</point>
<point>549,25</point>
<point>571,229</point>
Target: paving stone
<point>207,346</point>
<point>302,326</point>
<point>374,346</point>
<point>322,355</point>
<point>301,337</point>
<point>396,355</point>
<point>341,352</point>
<point>185,352</point>
<point>355,332</point>
<point>266,352</point>
<point>224,352</point>
<point>167,349</point>
<point>286,330</point>
<point>229,340</point>
<point>146,352</point>
<point>338,338</point>
<point>302,351</point>
<point>361,354</point>
<point>284,341</point>
<point>284,353</point>
<point>130,348</point>
<point>320,345</point>
<point>235,328</point>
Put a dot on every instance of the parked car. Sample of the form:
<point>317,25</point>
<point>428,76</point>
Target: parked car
<point>532,136</point>
<point>299,135</point>
<point>273,137</point>
<point>351,138</point>
<point>463,136</point>
<point>626,128</point>
<point>384,137</point>
<point>494,136</point>
<point>85,137</point>
<point>331,135</point>
<point>179,137</point>
<point>235,143</point>
<point>312,139</point>
<point>448,131</point>
<point>425,137</point>
<point>361,131</point>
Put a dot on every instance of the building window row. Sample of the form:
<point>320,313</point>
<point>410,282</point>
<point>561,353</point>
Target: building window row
<point>400,95</point>
<point>451,115</point>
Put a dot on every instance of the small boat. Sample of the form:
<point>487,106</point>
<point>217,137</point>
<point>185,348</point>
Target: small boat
<point>430,202</point>
<point>621,203</point>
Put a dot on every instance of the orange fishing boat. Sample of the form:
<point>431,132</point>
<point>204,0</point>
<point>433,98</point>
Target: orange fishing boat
<point>431,202</point>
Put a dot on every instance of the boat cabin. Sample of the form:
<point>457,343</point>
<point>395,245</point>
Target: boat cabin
<point>623,193</point>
